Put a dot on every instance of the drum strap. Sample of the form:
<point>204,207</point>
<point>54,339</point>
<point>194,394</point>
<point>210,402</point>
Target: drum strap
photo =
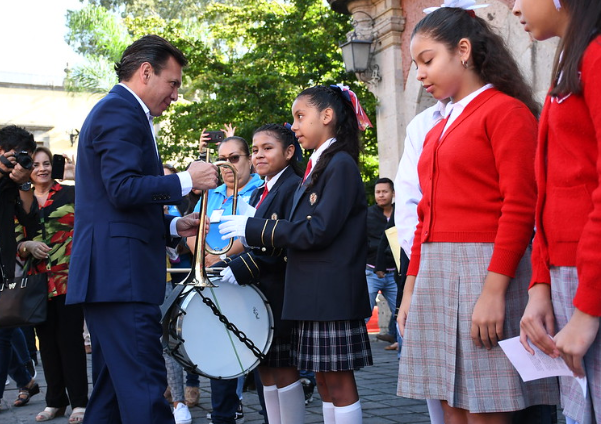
<point>171,299</point>
<point>232,327</point>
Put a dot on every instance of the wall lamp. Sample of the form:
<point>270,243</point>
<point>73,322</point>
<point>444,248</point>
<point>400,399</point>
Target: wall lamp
<point>357,53</point>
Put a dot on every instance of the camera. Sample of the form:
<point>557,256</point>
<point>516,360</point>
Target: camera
<point>215,136</point>
<point>22,159</point>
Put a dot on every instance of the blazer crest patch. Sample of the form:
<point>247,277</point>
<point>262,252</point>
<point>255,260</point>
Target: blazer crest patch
<point>313,198</point>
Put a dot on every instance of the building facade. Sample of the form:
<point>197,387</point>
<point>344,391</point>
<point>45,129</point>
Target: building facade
<point>400,96</point>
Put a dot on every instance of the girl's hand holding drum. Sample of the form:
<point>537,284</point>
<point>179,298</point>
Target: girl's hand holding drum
<point>227,276</point>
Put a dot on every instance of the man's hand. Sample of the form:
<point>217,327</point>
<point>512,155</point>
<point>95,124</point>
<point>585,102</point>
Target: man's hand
<point>187,226</point>
<point>19,174</point>
<point>204,175</point>
<point>15,172</point>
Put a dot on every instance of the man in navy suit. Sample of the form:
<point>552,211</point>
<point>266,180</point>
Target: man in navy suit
<point>118,261</point>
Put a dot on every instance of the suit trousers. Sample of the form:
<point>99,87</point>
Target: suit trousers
<point>63,354</point>
<point>127,360</point>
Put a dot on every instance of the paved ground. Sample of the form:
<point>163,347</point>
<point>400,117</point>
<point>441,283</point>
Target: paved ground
<point>377,388</point>
<point>377,385</point>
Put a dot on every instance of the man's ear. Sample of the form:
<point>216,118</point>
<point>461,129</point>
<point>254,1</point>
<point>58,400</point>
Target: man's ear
<point>144,72</point>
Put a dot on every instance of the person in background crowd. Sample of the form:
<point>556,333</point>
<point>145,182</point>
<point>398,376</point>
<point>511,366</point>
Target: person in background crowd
<point>382,280</point>
<point>16,198</point>
<point>61,337</point>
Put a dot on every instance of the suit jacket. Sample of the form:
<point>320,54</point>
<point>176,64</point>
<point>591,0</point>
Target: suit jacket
<point>327,246</point>
<point>120,230</point>
<point>264,266</point>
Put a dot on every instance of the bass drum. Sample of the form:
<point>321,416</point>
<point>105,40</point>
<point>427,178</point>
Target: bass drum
<point>199,341</point>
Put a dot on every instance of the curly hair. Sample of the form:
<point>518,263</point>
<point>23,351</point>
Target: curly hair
<point>492,60</point>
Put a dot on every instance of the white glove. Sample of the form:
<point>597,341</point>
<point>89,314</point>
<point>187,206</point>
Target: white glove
<point>233,226</point>
<point>227,276</point>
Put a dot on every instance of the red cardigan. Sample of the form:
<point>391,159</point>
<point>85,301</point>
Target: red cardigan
<point>478,181</point>
<point>568,169</point>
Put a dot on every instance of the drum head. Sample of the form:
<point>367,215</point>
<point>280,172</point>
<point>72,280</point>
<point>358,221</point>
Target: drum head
<point>210,346</point>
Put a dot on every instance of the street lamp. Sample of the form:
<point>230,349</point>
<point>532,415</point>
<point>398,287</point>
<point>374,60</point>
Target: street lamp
<point>356,54</point>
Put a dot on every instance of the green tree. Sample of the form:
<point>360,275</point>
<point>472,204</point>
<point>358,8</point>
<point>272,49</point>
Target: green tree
<point>100,37</point>
<point>248,61</point>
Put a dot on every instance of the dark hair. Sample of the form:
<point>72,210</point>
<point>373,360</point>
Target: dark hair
<point>492,60</point>
<point>345,121</point>
<point>584,24</point>
<point>384,181</point>
<point>42,149</point>
<point>152,49</point>
<point>16,138</point>
<point>240,141</point>
<point>286,138</point>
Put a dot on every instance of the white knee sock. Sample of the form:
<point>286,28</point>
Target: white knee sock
<point>328,413</point>
<point>272,404</point>
<point>292,403</point>
<point>435,411</point>
<point>350,414</point>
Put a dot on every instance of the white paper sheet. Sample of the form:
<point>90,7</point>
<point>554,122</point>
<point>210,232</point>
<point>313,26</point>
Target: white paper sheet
<point>539,365</point>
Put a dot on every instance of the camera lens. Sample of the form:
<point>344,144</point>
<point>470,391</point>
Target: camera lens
<point>24,160</point>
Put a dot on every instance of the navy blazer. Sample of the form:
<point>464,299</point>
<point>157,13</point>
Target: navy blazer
<point>264,266</point>
<point>327,246</point>
<point>120,233</point>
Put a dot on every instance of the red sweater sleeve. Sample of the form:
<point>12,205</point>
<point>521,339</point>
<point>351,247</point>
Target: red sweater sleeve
<point>513,140</point>
<point>588,255</point>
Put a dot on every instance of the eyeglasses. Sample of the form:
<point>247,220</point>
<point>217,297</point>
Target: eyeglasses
<point>234,159</point>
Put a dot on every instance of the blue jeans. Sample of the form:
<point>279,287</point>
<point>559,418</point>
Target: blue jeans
<point>224,401</point>
<point>13,357</point>
<point>388,287</point>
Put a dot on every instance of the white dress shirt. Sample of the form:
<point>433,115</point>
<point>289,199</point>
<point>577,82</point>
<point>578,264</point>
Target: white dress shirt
<point>407,191</point>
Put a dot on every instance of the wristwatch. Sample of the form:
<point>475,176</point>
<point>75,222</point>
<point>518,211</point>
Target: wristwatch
<point>25,186</point>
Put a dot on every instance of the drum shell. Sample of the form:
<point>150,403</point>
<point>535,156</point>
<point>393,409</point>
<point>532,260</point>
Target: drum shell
<point>203,345</point>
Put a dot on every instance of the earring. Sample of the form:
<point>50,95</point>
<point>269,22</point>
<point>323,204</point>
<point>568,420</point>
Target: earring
<point>464,63</point>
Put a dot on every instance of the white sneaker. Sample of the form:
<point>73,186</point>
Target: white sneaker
<point>182,414</point>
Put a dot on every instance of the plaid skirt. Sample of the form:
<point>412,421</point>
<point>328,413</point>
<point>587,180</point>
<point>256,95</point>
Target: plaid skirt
<point>439,359</point>
<point>564,281</point>
<point>279,354</point>
<point>322,346</point>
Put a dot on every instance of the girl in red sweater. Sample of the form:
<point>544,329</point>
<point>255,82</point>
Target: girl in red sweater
<point>476,220</point>
<point>565,291</point>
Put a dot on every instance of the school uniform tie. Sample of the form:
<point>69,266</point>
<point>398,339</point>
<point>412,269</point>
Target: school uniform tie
<point>263,196</point>
<point>308,171</point>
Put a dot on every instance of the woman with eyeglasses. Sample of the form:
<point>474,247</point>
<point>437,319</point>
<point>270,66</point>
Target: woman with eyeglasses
<point>235,150</point>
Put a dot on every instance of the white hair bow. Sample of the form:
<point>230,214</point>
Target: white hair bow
<point>461,4</point>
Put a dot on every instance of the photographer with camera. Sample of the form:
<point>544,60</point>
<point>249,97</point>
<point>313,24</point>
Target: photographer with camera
<point>16,147</point>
